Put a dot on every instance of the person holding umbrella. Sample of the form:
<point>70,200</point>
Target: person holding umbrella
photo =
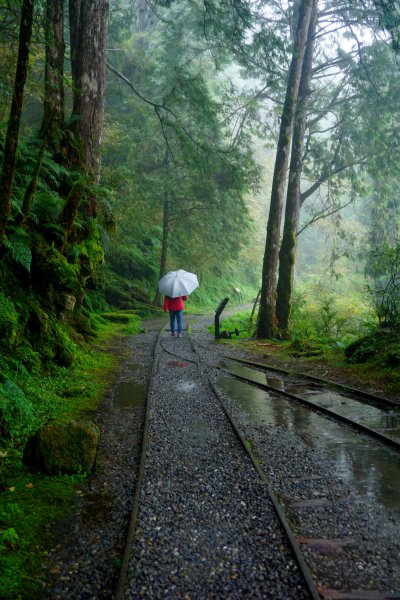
<point>175,307</point>
<point>176,286</point>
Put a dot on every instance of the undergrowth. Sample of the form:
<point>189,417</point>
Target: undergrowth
<point>31,503</point>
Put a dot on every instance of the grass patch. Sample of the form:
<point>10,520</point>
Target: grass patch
<point>237,326</point>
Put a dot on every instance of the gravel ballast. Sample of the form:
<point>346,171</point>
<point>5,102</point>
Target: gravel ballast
<point>206,527</point>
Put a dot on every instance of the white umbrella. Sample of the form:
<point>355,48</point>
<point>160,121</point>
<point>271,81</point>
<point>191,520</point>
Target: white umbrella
<point>178,283</point>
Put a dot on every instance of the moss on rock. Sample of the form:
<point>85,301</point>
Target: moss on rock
<point>63,448</point>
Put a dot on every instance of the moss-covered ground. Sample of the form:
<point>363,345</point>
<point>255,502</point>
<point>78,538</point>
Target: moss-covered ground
<point>31,504</point>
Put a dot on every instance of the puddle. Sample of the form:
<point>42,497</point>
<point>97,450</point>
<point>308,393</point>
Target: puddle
<point>372,469</point>
<point>128,395</point>
<point>185,386</point>
<point>371,415</point>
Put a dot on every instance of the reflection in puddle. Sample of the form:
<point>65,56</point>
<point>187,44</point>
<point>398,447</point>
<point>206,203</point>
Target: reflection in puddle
<point>372,469</point>
<point>377,417</point>
<point>128,395</point>
<point>185,386</point>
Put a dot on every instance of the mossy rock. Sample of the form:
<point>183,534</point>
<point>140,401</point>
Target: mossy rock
<point>365,348</point>
<point>63,448</point>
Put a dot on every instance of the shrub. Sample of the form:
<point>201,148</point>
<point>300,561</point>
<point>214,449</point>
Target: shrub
<point>385,291</point>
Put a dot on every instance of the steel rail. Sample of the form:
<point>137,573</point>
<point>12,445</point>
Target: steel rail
<point>129,541</point>
<point>299,556</point>
<point>343,386</point>
<point>372,432</point>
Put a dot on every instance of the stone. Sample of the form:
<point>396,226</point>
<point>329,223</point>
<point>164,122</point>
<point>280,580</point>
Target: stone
<point>66,302</point>
<point>63,448</point>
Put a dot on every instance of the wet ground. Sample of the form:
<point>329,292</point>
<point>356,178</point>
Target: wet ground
<point>373,469</point>
<point>340,487</point>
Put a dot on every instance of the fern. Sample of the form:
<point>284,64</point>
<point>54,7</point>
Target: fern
<point>19,247</point>
<point>47,206</point>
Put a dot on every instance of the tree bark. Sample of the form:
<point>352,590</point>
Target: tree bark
<point>74,20</point>
<point>53,107</point>
<point>266,316</point>
<point>165,234</point>
<point>70,212</point>
<point>11,142</point>
<point>293,196</point>
<point>89,75</point>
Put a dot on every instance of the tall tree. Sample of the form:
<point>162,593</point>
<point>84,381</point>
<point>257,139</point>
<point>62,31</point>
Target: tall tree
<point>266,317</point>
<point>53,105</point>
<point>293,196</point>
<point>11,143</point>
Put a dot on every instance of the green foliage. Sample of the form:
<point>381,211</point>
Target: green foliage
<point>18,244</point>
<point>385,291</point>
<point>8,322</point>
<point>236,326</point>
<point>16,411</point>
<point>380,348</point>
<point>332,319</point>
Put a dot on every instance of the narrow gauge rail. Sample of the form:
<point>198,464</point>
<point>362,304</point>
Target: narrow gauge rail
<point>253,369</point>
<point>327,382</point>
<point>119,592</point>
<point>310,584</point>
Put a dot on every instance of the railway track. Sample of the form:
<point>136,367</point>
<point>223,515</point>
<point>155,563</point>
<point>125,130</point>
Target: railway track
<point>195,359</point>
<point>366,407</point>
<point>187,354</point>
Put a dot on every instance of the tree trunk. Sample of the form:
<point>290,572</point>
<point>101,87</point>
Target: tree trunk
<point>74,20</point>
<point>89,74</point>
<point>53,108</point>
<point>266,316</point>
<point>32,186</point>
<point>70,212</point>
<point>292,212</point>
<point>165,235</point>
<point>11,142</point>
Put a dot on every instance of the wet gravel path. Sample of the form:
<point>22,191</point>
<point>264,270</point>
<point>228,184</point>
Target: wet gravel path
<point>206,527</point>
<point>350,542</point>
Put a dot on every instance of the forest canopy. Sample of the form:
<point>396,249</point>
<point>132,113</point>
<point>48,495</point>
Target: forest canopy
<point>140,137</point>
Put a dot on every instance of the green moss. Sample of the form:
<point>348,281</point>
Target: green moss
<point>29,503</point>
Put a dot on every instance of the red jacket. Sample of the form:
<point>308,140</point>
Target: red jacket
<point>174,303</point>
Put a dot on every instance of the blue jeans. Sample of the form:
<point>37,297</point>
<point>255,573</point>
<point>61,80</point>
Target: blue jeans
<point>178,315</point>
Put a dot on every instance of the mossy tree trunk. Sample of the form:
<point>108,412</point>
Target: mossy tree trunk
<point>70,212</point>
<point>89,22</point>
<point>11,142</point>
<point>266,316</point>
<point>287,252</point>
<point>53,105</point>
